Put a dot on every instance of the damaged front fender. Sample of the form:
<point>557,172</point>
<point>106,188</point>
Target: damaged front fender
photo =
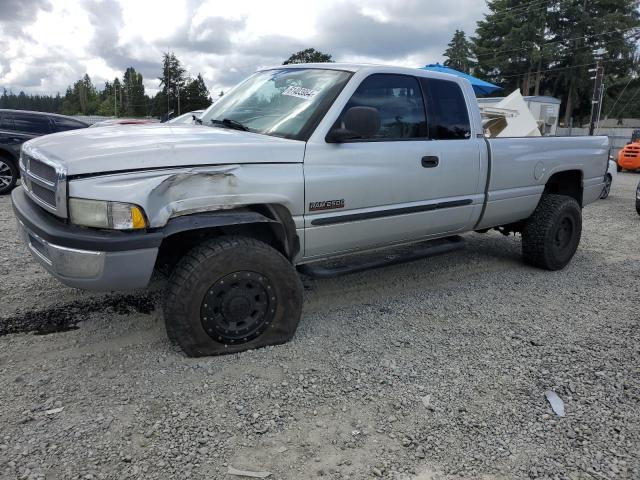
<point>170,193</point>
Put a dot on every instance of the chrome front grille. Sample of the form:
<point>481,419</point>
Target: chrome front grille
<point>45,182</point>
<point>42,170</point>
<point>44,194</point>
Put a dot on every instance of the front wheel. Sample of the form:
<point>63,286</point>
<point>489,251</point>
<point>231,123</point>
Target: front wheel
<point>551,235</point>
<point>232,294</point>
<point>8,175</point>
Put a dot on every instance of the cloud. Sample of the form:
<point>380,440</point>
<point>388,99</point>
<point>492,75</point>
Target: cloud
<point>45,46</point>
<point>210,35</point>
<point>354,32</point>
<point>14,14</point>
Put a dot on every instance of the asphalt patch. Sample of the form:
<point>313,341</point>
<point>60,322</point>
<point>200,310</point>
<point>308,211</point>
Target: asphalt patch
<point>65,317</point>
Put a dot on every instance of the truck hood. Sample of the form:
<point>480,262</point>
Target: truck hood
<point>139,147</point>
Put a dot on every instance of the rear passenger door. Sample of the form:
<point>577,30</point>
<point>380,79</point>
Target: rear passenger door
<point>461,151</point>
<point>15,129</point>
<point>398,185</point>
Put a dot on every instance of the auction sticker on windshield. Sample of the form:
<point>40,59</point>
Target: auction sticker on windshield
<point>300,92</point>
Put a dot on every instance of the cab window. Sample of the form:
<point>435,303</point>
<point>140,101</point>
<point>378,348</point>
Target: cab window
<point>446,109</point>
<point>398,100</point>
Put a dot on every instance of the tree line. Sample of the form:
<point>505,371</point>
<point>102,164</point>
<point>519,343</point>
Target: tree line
<point>126,96</point>
<point>550,47</point>
<point>122,97</point>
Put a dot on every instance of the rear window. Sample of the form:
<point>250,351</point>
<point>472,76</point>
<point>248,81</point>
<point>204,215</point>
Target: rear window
<point>63,124</point>
<point>446,110</point>
<point>33,124</point>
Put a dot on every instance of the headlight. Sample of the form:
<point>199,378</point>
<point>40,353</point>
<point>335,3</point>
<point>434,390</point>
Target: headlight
<point>101,214</point>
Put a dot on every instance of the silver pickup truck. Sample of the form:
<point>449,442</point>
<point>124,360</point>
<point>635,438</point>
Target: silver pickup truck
<point>296,165</point>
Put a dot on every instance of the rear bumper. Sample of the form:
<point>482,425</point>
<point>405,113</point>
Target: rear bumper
<point>82,258</point>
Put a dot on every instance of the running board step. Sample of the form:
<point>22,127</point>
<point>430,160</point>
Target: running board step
<point>361,262</point>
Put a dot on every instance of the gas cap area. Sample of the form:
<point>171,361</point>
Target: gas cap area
<point>539,170</point>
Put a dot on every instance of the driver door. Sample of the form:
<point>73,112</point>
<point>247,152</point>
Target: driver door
<point>381,190</point>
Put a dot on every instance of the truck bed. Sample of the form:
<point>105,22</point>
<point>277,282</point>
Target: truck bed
<point>521,166</point>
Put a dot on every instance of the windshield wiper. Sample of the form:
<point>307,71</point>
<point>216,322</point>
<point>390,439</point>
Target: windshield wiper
<point>229,123</point>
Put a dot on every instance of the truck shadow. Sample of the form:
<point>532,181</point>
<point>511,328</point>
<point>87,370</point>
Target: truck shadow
<point>321,294</point>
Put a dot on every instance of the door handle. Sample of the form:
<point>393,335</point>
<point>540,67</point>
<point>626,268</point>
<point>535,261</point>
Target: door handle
<point>430,161</point>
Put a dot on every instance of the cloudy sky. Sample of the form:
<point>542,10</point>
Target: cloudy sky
<point>45,45</point>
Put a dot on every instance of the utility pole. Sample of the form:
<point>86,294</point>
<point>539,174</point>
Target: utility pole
<point>178,90</point>
<point>115,101</point>
<point>598,91</point>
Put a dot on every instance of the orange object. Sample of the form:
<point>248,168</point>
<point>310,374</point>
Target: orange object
<point>629,156</point>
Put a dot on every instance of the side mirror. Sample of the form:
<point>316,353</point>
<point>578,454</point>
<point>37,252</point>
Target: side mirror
<point>197,120</point>
<point>340,135</point>
<point>359,122</point>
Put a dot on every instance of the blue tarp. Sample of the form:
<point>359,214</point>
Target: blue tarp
<point>479,86</point>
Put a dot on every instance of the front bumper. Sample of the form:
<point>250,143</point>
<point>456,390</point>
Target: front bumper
<point>84,258</point>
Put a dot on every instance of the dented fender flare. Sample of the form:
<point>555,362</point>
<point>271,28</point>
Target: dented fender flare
<point>282,228</point>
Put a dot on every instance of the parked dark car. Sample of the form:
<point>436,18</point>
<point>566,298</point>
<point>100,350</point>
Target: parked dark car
<point>124,121</point>
<point>18,126</point>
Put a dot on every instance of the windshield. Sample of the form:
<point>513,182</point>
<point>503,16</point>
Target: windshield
<point>283,102</point>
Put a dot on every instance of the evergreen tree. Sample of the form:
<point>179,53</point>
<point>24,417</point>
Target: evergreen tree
<point>70,105</point>
<point>459,53</point>
<point>195,95</point>
<point>582,27</point>
<point>172,81</point>
<point>118,104</point>
<point>509,43</point>
<point>548,46</point>
<point>310,55</point>
<point>133,94</point>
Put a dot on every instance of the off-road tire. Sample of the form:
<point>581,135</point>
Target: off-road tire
<point>551,235</point>
<point>606,190</point>
<point>8,168</point>
<point>203,272</point>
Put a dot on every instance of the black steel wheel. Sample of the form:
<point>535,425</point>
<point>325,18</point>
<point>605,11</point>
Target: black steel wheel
<point>231,294</point>
<point>551,235</point>
<point>564,234</point>
<point>238,307</point>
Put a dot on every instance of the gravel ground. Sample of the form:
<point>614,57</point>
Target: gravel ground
<point>433,369</point>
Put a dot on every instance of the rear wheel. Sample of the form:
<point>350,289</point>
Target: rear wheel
<point>551,235</point>
<point>607,187</point>
<point>232,294</point>
<point>8,175</point>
